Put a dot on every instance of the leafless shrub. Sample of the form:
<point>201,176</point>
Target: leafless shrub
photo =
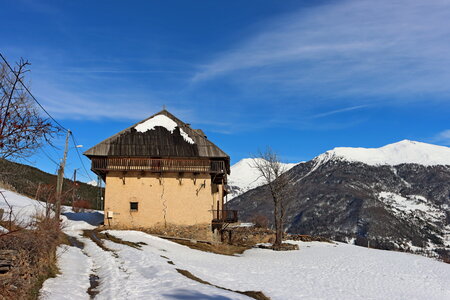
<point>35,258</point>
<point>260,221</point>
<point>7,186</point>
<point>46,194</point>
<point>81,205</point>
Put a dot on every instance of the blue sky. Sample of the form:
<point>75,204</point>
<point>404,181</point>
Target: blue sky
<point>300,76</point>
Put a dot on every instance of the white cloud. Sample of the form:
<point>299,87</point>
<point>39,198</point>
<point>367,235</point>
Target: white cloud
<point>338,111</point>
<point>443,137</point>
<point>356,47</point>
<point>64,103</point>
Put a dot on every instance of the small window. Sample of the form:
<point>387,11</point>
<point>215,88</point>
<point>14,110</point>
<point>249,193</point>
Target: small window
<point>134,206</point>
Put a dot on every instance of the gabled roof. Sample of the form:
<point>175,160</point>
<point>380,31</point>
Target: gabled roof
<point>161,135</point>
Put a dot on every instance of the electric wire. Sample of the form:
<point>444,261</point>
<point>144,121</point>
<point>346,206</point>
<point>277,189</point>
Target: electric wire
<point>79,155</point>
<point>32,96</point>
<point>49,157</point>
<point>50,116</point>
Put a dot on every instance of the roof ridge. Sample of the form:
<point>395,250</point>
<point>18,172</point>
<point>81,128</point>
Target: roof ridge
<point>201,141</point>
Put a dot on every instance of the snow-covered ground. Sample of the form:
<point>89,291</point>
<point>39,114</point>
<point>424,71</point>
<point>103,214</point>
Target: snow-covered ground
<point>124,273</point>
<point>127,273</point>
<point>73,282</point>
<point>316,271</point>
<point>24,209</point>
<point>245,177</point>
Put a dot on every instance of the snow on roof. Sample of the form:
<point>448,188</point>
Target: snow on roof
<point>402,152</point>
<point>162,121</point>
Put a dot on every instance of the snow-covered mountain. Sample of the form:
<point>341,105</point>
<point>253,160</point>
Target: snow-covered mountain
<point>92,182</point>
<point>403,152</point>
<point>393,197</point>
<point>245,177</point>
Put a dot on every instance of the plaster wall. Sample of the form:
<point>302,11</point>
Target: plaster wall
<point>180,199</point>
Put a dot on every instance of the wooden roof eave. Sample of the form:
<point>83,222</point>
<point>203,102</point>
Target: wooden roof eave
<point>205,147</point>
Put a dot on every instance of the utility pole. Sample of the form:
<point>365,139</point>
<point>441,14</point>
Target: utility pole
<point>60,180</point>
<point>74,186</point>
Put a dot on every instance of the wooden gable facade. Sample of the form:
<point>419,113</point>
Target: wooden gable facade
<point>160,170</point>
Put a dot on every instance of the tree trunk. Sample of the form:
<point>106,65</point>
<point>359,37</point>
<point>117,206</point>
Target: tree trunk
<point>275,216</point>
<point>278,224</point>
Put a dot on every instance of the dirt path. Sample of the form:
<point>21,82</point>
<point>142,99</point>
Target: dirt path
<point>111,270</point>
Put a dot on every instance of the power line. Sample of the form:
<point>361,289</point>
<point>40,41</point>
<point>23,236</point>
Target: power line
<point>32,96</point>
<point>49,157</point>
<point>50,116</point>
<point>79,156</point>
<point>82,175</point>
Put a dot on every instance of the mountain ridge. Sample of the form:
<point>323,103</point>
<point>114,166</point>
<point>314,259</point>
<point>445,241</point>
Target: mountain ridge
<point>402,152</point>
<point>403,207</point>
<point>244,177</point>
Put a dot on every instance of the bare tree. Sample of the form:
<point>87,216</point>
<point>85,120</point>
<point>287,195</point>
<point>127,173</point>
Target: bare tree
<point>22,129</point>
<point>271,170</point>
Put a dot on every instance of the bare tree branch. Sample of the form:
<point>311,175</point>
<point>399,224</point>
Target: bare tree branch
<point>270,168</point>
<point>22,129</point>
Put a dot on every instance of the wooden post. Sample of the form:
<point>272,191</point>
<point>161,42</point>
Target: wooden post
<point>60,179</point>
<point>74,186</point>
<point>218,216</point>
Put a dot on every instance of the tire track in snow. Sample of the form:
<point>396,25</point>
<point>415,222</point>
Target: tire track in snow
<point>109,268</point>
<point>151,277</point>
<point>72,282</point>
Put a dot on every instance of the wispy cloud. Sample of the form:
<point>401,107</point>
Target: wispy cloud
<point>112,71</point>
<point>66,103</point>
<point>99,89</point>
<point>348,48</point>
<point>300,70</point>
<point>442,137</point>
<point>39,6</point>
<point>338,111</point>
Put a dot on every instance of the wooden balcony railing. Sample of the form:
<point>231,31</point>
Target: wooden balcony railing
<point>225,216</point>
<point>157,165</point>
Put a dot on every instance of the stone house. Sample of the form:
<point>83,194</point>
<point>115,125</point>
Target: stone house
<point>161,171</point>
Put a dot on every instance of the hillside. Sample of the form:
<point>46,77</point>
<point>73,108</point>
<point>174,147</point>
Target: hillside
<point>394,197</point>
<point>149,267</point>
<point>25,180</point>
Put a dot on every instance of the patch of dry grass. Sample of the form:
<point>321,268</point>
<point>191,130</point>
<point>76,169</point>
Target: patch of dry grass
<point>34,262</point>
<point>252,294</point>
<point>193,232</point>
<point>223,249</point>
